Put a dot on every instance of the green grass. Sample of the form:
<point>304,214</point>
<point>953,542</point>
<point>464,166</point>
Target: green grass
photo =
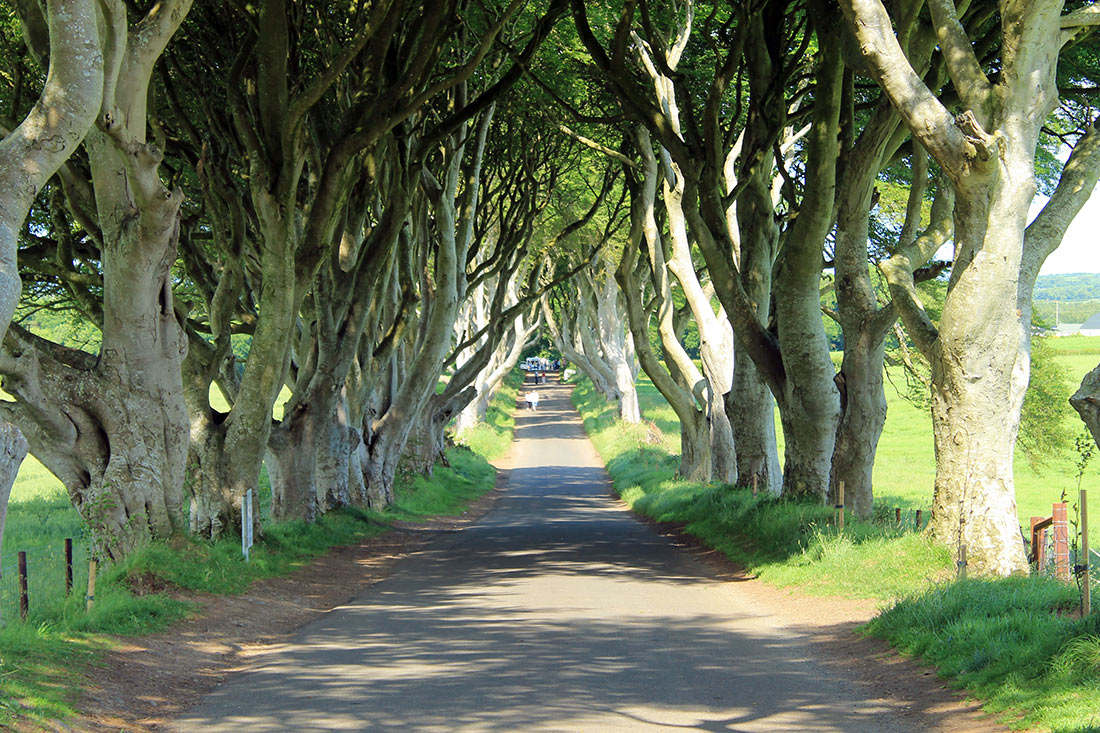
<point>784,541</point>
<point>1010,642</point>
<point>493,436</point>
<point>905,467</point>
<point>45,660</point>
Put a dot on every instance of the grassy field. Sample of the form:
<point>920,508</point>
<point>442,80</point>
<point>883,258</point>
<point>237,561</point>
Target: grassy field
<point>44,661</point>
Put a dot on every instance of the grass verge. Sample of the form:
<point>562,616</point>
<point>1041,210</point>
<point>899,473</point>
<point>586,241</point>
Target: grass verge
<point>786,542</point>
<point>1014,643</point>
<point>492,437</point>
<point>45,660</point>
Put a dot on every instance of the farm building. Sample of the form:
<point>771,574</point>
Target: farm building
<point>1091,327</point>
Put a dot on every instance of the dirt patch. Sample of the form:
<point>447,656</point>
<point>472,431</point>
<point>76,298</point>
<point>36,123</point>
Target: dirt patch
<point>148,680</point>
<point>143,584</point>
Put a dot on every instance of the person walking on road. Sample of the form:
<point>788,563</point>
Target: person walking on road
<point>533,399</point>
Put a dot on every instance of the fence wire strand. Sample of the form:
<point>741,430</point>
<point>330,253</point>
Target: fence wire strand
<point>45,578</point>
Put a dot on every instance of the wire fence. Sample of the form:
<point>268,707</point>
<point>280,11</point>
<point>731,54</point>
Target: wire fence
<point>1094,570</point>
<point>46,578</point>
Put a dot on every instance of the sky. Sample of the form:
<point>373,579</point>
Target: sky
<point>1080,249</point>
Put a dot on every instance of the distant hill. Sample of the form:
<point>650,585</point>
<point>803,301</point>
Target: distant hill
<point>1075,286</point>
<point>1072,298</point>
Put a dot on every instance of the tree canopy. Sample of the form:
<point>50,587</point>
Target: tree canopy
<point>374,206</point>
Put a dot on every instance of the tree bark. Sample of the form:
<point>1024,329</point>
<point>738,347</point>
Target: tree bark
<point>33,152</point>
<point>13,449</point>
<point>615,346</point>
<point>127,479</point>
<point>809,404</point>
<point>678,380</point>
<point>53,129</point>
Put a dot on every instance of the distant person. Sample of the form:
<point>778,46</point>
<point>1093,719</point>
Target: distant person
<point>533,399</point>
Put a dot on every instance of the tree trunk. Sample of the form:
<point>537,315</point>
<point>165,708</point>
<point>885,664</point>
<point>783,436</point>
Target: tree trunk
<point>980,354</point>
<point>1086,400</point>
<point>614,346</point>
<point>979,377</point>
<point>752,409</point>
<point>810,403</point>
<point>750,404</point>
<point>114,429</point>
<point>567,340</point>
<point>291,466</point>
<point>863,415</point>
<point>669,377</point>
<point>212,502</point>
<point>13,449</point>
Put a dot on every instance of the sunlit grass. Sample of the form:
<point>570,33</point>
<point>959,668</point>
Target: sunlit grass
<point>492,437</point>
<point>786,542</point>
<point>905,464</point>
<point>1014,643</point>
<point>1011,642</point>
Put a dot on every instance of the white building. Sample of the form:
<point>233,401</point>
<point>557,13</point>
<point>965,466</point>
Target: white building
<point>1091,327</point>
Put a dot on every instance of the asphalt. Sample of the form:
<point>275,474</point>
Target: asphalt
<point>557,611</point>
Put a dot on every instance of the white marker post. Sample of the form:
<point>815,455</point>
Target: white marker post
<point>246,523</point>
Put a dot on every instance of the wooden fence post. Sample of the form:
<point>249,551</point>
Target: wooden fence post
<point>897,515</point>
<point>24,602</point>
<point>68,565</point>
<point>754,478</point>
<point>962,562</point>
<point>920,513</point>
<point>1086,591</point>
<point>840,506</point>
<point>1036,546</point>
<point>90,597</point>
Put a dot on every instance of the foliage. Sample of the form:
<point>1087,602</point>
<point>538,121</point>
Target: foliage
<point>1044,421</point>
<point>63,326</point>
<point>1072,287</point>
<point>1010,641</point>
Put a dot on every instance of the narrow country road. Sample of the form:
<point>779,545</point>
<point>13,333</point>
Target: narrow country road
<point>556,611</point>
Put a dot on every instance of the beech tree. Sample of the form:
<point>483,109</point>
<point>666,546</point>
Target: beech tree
<point>980,351</point>
<point>792,359</point>
<point>645,282</point>
<point>588,327</point>
<point>112,426</point>
<point>311,117</point>
<point>33,150</point>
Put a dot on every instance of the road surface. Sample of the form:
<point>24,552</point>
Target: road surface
<point>557,611</point>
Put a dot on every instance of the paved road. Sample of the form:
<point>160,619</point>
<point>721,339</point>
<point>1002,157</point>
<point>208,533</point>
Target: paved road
<point>555,612</point>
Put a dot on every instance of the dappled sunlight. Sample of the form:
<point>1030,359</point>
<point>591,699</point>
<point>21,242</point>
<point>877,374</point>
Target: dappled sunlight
<point>556,611</point>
